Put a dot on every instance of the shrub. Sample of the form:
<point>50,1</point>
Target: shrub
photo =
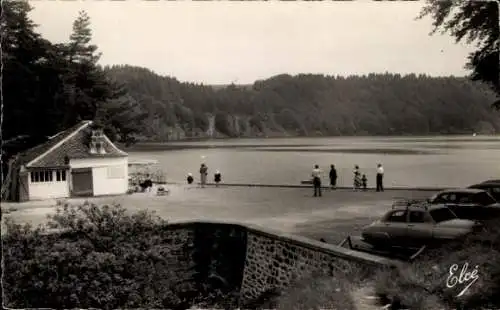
<point>318,293</point>
<point>101,257</point>
<point>422,284</point>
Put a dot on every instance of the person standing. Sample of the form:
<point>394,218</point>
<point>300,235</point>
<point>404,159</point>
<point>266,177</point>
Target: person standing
<point>364,182</point>
<point>333,177</point>
<point>316,175</point>
<point>190,178</point>
<point>380,178</point>
<point>203,175</point>
<point>217,178</point>
<point>357,178</point>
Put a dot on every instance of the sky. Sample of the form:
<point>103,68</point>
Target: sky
<point>221,42</point>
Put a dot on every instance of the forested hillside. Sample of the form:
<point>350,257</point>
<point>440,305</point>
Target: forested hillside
<point>310,105</point>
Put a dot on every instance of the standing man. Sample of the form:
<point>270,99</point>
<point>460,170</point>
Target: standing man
<point>316,175</point>
<point>333,177</point>
<point>380,178</point>
<point>203,175</point>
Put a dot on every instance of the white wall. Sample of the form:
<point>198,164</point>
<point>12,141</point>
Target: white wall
<point>48,190</point>
<point>109,175</point>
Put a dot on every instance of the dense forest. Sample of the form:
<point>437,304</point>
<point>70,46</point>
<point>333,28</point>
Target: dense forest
<point>48,87</point>
<point>309,105</point>
<point>63,83</point>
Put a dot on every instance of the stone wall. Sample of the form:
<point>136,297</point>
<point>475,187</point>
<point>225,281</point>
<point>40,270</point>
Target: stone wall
<point>275,260</point>
<point>252,260</point>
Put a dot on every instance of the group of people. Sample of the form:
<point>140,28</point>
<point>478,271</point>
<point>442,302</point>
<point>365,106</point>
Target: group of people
<point>360,181</point>
<point>204,175</point>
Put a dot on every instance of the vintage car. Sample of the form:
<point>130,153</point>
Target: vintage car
<point>416,226</point>
<point>469,203</point>
<point>492,181</point>
<point>491,186</point>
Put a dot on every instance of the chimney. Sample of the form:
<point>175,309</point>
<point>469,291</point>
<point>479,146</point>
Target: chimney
<point>97,142</point>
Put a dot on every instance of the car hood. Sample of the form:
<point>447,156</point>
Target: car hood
<point>456,223</point>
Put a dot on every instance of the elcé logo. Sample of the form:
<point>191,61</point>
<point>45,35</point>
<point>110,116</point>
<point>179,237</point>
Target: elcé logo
<point>465,277</point>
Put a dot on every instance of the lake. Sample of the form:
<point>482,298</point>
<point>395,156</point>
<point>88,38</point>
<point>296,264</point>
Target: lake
<point>455,161</point>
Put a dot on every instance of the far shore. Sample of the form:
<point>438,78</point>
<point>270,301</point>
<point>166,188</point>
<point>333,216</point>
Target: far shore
<point>332,217</point>
<point>225,142</point>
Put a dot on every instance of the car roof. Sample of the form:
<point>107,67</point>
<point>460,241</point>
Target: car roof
<point>420,208</point>
<point>485,184</point>
<point>495,182</point>
<point>462,190</point>
<point>491,181</point>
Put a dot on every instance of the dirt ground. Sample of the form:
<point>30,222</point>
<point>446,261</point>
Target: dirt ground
<point>332,217</point>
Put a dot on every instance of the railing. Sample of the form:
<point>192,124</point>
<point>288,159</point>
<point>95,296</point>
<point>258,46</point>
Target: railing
<point>387,253</point>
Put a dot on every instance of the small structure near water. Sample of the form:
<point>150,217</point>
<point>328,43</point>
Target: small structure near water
<point>80,161</point>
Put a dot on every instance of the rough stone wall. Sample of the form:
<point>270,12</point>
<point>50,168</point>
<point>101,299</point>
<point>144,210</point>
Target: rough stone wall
<point>273,262</point>
<point>253,260</point>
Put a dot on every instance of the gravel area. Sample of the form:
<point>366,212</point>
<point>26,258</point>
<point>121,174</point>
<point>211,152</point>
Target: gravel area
<point>332,217</point>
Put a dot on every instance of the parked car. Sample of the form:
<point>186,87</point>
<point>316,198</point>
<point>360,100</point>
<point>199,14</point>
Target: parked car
<point>469,203</point>
<point>491,186</point>
<point>492,181</point>
<point>415,226</point>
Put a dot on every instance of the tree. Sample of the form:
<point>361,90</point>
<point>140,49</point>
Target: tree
<point>476,22</point>
<point>87,85</point>
<point>93,95</point>
<point>377,104</point>
<point>31,79</point>
<point>102,257</point>
<point>49,87</point>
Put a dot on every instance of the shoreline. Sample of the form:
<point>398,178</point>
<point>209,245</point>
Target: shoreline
<point>368,189</point>
<point>225,142</point>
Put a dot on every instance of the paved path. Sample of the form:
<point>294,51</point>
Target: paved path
<point>288,209</point>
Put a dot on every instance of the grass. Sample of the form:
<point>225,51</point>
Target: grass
<point>319,293</point>
<point>423,284</point>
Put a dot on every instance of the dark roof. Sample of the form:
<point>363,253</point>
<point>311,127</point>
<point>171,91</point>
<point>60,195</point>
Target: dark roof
<point>485,185</point>
<point>38,150</point>
<point>463,190</point>
<point>76,146</point>
<point>491,181</point>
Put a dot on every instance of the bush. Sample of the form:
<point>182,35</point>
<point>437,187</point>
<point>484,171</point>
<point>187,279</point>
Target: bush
<point>101,257</point>
<point>422,284</point>
<point>320,291</point>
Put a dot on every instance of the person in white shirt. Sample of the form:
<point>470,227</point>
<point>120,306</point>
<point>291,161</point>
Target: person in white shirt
<point>380,178</point>
<point>316,175</point>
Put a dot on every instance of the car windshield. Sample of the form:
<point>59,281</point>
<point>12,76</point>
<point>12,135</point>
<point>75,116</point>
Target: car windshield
<point>442,214</point>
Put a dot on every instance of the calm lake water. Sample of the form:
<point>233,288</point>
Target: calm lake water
<point>408,161</point>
